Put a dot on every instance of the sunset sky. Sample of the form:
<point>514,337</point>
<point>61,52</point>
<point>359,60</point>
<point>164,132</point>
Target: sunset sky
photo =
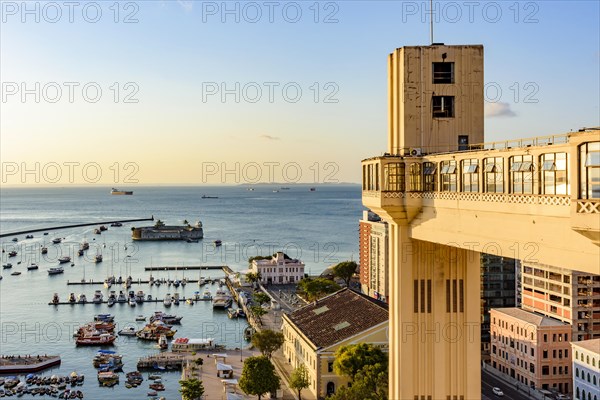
<point>179,55</point>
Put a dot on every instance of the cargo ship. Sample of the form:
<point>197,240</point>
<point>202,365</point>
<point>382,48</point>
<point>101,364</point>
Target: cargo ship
<point>121,192</point>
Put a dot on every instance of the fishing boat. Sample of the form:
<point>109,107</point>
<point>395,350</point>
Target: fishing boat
<point>7,266</point>
<point>56,240</point>
<point>103,228</point>
<point>95,339</point>
<point>32,267</point>
<point>121,192</point>
<point>104,318</point>
<point>166,318</point>
<point>140,318</point>
<point>312,189</point>
<point>163,344</point>
<point>108,360</point>
<point>55,270</point>
<point>64,259</point>
<point>98,297</point>
<point>159,387</point>
<point>128,331</point>
<point>154,330</point>
<point>44,250</point>
<point>98,258</point>
<point>209,197</point>
<point>218,243</point>
<point>108,379</point>
<point>12,253</point>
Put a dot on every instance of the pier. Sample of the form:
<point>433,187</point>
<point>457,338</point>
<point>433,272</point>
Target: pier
<point>54,228</point>
<point>134,282</point>
<point>163,361</point>
<point>26,364</point>
<point>158,300</point>
<point>186,268</point>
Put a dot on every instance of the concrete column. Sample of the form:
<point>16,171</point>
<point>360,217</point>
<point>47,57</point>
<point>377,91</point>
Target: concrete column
<point>434,319</point>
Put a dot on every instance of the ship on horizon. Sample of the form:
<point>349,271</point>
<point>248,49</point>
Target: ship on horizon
<point>121,192</point>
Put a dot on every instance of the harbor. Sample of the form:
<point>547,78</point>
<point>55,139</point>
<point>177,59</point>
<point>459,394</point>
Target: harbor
<point>59,227</point>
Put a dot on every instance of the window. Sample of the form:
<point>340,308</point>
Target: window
<point>443,106</point>
<point>330,366</point>
<point>429,173</point>
<point>554,173</point>
<point>414,176</point>
<point>589,175</point>
<point>494,176</point>
<point>470,178</point>
<point>443,72</point>
<point>448,176</point>
<point>521,174</point>
<point>394,177</point>
<point>545,353</point>
<point>545,370</point>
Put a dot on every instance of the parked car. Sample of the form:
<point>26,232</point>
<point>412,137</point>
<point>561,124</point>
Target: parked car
<point>498,392</point>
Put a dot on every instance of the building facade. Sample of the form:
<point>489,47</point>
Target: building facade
<point>279,269</point>
<point>373,249</point>
<point>569,296</point>
<point>498,290</point>
<point>315,332</point>
<point>533,349</point>
<point>586,369</point>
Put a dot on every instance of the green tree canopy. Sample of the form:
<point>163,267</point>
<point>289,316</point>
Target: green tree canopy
<point>261,298</point>
<point>191,389</point>
<point>345,270</point>
<point>253,277</point>
<point>267,341</point>
<point>299,380</point>
<point>258,312</point>
<point>349,360</point>
<point>315,288</point>
<point>367,367</point>
<point>258,377</point>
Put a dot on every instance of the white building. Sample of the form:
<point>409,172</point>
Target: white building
<point>586,369</point>
<point>279,269</point>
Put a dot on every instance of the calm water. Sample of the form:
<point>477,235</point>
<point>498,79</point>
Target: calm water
<point>318,227</point>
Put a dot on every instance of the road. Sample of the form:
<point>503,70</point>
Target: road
<point>488,381</point>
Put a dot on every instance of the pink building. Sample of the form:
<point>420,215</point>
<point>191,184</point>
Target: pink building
<point>531,348</point>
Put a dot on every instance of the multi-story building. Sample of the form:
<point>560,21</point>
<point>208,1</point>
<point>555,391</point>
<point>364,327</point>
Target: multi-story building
<point>279,269</point>
<point>315,332</point>
<point>373,250</point>
<point>498,290</point>
<point>533,349</point>
<point>569,296</point>
<point>586,369</point>
<point>448,196</point>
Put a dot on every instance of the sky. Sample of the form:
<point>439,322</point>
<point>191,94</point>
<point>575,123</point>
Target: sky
<point>182,92</point>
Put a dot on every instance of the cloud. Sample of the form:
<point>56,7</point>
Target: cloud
<point>269,137</point>
<point>187,5</point>
<point>498,109</point>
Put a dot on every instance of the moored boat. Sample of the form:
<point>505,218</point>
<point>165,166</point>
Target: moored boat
<point>95,340</point>
<point>64,259</point>
<point>98,297</point>
<point>55,270</point>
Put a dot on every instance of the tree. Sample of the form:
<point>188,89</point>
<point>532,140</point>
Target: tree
<point>267,341</point>
<point>199,361</point>
<point>253,277</point>
<point>349,360</point>
<point>159,224</point>
<point>261,298</point>
<point>258,312</point>
<point>345,270</point>
<point>191,389</point>
<point>258,377</point>
<point>299,380</point>
<point>185,222</point>
<point>315,288</point>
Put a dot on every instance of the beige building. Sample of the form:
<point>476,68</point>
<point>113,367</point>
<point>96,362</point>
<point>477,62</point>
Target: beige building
<point>278,269</point>
<point>315,332</point>
<point>533,349</point>
<point>448,197</point>
<point>373,253</point>
<point>569,296</point>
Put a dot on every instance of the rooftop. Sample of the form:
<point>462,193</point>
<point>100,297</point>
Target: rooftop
<point>592,345</point>
<point>338,316</point>
<point>529,317</point>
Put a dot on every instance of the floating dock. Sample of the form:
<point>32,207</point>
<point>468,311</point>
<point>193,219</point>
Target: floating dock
<point>135,282</point>
<point>26,364</point>
<point>54,228</point>
<point>185,268</point>
<point>181,300</point>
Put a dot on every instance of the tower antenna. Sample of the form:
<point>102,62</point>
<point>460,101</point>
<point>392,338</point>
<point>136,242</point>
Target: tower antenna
<point>431,21</point>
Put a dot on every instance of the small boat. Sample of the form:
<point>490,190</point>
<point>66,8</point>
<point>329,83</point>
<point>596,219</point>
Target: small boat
<point>98,258</point>
<point>190,240</point>
<point>167,300</point>
<point>152,394</point>
<point>209,197</point>
<point>95,340</point>
<point>16,273</point>
<point>162,342</point>
<point>12,253</point>
<point>97,231</point>
<point>104,317</point>
<point>55,299</point>
<point>80,252</point>
<point>190,301</point>
<point>44,250</point>
<point>111,301</point>
<point>45,233</point>
<point>139,296</point>
<point>149,297</point>
<point>116,224</point>
<point>7,266</point>
<point>159,387</point>
<point>109,281</point>
<point>55,270</point>
<point>218,243</point>
<point>140,318</point>
<point>207,295</point>
<point>98,297</point>
<point>122,298</point>
<point>103,228</point>
<point>108,379</point>
<point>250,189</point>
<point>64,259</point>
<point>132,302</point>
<point>71,298</point>
<point>82,298</point>
<point>121,192</point>
<point>56,240</point>
<point>232,313</point>
<point>33,266</point>
<point>175,299</point>
<point>128,331</point>
<point>201,281</point>
<point>275,191</point>
<point>312,189</point>
<point>29,237</point>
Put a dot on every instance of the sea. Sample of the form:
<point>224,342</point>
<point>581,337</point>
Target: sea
<point>318,227</point>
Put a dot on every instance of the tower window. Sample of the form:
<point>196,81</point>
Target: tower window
<point>443,72</point>
<point>443,106</point>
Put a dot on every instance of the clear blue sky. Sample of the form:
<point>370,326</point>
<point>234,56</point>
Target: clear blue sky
<point>546,51</point>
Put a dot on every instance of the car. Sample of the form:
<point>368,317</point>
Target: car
<point>498,392</point>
